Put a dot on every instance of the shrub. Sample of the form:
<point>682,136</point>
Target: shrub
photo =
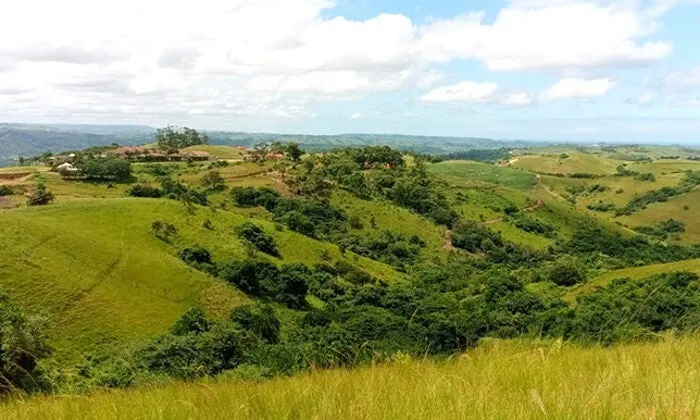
<point>195,354</point>
<point>260,320</point>
<point>196,254</point>
<point>471,236</point>
<point>256,236</point>
<point>22,345</point>
<point>146,191</point>
<point>633,309</point>
<point>213,180</point>
<point>193,321</point>
<point>5,190</point>
<point>567,271</point>
<point>40,197</point>
<point>163,231</point>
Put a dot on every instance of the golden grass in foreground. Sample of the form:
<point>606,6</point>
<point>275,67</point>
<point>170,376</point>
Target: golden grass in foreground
<point>501,380</point>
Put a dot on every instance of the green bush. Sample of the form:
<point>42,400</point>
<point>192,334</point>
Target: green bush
<point>40,197</point>
<point>22,346</point>
<point>256,236</point>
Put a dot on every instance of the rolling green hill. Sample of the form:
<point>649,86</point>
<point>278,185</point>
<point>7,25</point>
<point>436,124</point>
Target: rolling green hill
<point>99,274</point>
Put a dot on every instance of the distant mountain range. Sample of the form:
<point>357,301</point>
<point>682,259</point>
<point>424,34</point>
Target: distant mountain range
<point>33,139</point>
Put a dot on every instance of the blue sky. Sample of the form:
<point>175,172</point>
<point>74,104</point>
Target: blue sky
<point>565,70</point>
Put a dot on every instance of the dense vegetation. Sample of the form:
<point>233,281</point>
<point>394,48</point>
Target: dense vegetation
<point>483,278</point>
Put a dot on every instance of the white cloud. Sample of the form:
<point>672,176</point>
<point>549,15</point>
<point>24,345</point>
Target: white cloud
<point>356,116</point>
<point>576,88</point>
<point>277,59</point>
<point>518,99</point>
<point>466,91</point>
<point>547,34</point>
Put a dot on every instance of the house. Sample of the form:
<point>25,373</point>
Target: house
<point>67,169</point>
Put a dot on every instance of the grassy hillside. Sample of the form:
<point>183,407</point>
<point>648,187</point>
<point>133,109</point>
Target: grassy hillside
<point>101,276</point>
<point>683,208</point>
<point>460,171</point>
<point>573,162</point>
<point>498,380</point>
<point>692,266</point>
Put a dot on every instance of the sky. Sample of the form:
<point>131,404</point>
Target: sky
<point>561,70</point>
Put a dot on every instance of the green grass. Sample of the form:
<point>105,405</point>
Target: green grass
<point>219,152</point>
<point>520,237</point>
<point>635,273</point>
<point>99,274</point>
<point>684,208</point>
<point>576,162</point>
<point>499,380</point>
<point>462,172</point>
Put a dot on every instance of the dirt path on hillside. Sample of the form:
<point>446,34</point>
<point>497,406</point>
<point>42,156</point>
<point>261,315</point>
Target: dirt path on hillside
<point>448,233</point>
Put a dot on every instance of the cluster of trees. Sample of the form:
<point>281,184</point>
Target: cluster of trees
<point>443,311</point>
<point>172,189</point>
<point>662,230</point>
<point>96,168</point>
<point>394,248</point>
<point>175,138</point>
<point>6,190</point>
<point>630,251</point>
<point>309,217</point>
<point>258,238</point>
<point>532,225</point>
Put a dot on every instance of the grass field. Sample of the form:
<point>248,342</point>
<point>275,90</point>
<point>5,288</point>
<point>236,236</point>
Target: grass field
<point>464,173</point>
<point>498,380</point>
<point>576,162</point>
<point>634,273</point>
<point>219,152</point>
<point>684,208</point>
<point>99,274</point>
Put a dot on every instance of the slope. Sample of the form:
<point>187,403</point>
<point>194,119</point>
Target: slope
<point>502,380</point>
<point>94,268</point>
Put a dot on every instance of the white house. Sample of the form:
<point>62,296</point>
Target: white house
<point>67,169</point>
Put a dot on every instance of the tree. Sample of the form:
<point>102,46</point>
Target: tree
<point>40,197</point>
<point>567,271</point>
<point>293,151</point>
<point>256,236</point>
<point>212,180</point>
<point>259,319</point>
<point>171,137</point>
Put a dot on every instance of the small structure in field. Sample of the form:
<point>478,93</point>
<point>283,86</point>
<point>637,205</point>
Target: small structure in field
<point>67,169</point>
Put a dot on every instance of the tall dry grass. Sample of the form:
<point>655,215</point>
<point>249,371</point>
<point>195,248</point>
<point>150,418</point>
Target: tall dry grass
<point>499,380</point>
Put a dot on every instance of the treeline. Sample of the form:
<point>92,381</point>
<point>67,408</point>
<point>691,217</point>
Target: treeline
<point>442,312</point>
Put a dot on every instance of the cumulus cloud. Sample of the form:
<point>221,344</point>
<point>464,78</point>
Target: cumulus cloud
<point>466,91</point>
<point>356,116</point>
<point>547,34</point>
<point>518,99</point>
<point>277,59</point>
<point>577,88</point>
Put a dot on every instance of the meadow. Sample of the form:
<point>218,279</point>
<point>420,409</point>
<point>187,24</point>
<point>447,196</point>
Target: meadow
<point>116,282</point>
<point>499,379</point>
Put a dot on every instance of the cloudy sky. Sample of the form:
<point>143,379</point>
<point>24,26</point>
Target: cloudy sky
<point>614,70</point>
